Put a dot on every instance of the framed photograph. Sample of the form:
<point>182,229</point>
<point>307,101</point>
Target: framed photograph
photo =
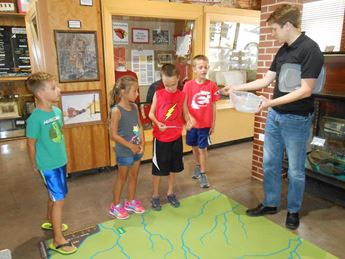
<point>183,44</point>
<point>77,56</point>
<point>120,33</point>
<point>81,107</point>
<point>86,2</point>
<point>119,56</point>
<point>140,35</point>
<point>9,110</point>
<point>164,58</point>
<point>23,5</point>
<point>160,37</point>
<point>7,6</point>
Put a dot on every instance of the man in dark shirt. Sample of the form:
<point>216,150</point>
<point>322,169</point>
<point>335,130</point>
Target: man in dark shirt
<point>157,85</point>
<point>290,114</point>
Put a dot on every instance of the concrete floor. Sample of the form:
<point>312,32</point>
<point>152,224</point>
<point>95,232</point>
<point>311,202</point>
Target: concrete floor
<point>23,198</point>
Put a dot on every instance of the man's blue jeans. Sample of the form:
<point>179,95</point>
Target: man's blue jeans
<point>292,132</point>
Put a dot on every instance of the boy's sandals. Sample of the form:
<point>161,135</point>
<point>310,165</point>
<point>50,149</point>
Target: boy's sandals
<point>60,250</point>
<point>49,226</point>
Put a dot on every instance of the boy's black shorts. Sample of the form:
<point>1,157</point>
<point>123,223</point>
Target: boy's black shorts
<point>167,157</point>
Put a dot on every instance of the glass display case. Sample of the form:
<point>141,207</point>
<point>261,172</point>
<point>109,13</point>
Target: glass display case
<point>231,44</point>
<point>233,47</point>
<point>327,150</point>
<point>15,107</point>
<point>14,69</point>
<point>141,36</point>
<point>142,45</point>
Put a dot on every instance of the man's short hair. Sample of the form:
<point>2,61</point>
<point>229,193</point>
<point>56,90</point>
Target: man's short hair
<point>286,13</point>
<point>37,81</point>
<point>169,70</point>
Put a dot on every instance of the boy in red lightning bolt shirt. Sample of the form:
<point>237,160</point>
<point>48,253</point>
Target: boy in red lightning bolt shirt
<point>168,114</point>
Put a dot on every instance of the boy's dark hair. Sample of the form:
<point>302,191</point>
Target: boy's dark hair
<point>169,70</point>
<point>286,13</point>
<point>37,81</point>
<point>199,57</point>
<point>124,83</point>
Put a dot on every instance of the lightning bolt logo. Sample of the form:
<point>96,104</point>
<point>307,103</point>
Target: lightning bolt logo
<point>170,112</point>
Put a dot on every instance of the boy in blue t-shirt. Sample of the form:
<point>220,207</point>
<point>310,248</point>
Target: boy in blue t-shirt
<point>47,152</point>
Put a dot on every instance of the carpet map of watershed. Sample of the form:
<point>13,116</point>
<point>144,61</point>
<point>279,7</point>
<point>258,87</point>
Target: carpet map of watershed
<point>207,225</point>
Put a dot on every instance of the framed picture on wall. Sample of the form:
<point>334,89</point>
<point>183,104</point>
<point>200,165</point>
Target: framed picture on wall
<point>7,6</point>
<point>164,58</point>
<point>9,109</point>
<point>120,33</point>
<point>81,107</point>
<point>23,5</point>
<point>140,35</point>
<point>160,37</point>
<point>77,56</point>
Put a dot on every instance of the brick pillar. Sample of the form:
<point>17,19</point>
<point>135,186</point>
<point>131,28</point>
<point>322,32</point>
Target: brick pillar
<point>267,49</point>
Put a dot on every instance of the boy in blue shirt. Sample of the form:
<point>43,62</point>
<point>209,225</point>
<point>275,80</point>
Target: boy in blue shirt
<point>47,152</point>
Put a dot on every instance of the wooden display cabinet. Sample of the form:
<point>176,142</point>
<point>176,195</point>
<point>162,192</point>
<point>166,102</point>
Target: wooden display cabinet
<point>153,11</point>
<point>233,60</point>
<point>14,96</point>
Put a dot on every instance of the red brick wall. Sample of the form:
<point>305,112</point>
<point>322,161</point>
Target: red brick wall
<point>267,49</point>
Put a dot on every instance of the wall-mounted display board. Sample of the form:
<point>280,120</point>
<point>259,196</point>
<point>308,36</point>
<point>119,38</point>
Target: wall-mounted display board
<point>14,52</point>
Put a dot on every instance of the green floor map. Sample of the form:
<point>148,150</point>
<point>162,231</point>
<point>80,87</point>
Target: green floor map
<point>208,225</point>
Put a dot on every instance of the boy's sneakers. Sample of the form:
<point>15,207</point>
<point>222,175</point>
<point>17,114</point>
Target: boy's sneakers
<point>173,200</point>
<point>196,173</point>
<point>134,206</point>
<point>203,181</point>
<point>156,203</point>
<point>117,211</point>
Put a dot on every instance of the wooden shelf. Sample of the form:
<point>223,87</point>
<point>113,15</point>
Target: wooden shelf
<point>12,14</point>
<point>15,78</point>
<point>10,118</point>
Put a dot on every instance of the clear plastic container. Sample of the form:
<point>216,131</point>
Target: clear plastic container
<point>245,101</point>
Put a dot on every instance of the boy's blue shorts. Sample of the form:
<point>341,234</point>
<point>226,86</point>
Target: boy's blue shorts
<point>56,182</point>
<point>128,161</point>
<point>198,137</point>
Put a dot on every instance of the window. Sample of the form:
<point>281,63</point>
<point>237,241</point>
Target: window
<point>323,22</point>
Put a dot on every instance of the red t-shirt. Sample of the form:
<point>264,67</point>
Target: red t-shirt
<point>119,74</point>
<point>169,110</point>
<point>200,99</point>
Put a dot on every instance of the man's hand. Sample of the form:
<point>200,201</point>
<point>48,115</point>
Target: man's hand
<point>265,103</point>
